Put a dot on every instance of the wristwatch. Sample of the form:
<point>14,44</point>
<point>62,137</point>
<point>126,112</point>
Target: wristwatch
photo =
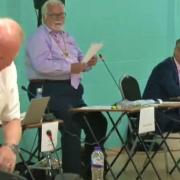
<point>14,148</point>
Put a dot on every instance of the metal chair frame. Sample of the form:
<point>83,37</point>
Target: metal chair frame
<point>130,90</point>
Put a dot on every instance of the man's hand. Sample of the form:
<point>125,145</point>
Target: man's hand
<point>92,61</point>
<point>7,159</point>
<point>77,68</point>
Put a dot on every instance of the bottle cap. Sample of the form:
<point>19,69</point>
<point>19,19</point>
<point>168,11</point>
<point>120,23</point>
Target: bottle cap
<point>39,89</point>
<point>97,148</point>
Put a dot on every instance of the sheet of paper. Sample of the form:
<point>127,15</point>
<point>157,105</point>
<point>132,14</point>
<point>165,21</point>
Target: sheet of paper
<point>46,144</point>
<point>146,122</point>
<point>94,48</point>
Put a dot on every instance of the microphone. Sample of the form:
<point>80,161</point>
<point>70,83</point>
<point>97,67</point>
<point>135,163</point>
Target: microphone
<point>48,116</point>
<point>29,92</point>
<point>109,71</point>
<point>49,134</point>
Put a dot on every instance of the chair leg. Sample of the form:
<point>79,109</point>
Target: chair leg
<point>174,167</point>
<point>132,149</point>
<point>149,150</point>
<point>134,146</point>
<point>166,158</point>
<point>164,150</point>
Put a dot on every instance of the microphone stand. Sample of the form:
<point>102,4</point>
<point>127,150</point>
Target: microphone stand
<point>49,134</point>
<point>109,71</point>
<point>49,163</point>
<point>112,76</point>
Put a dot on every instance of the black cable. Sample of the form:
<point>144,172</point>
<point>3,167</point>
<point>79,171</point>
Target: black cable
<point>80,140</point>
<point>25,164</point>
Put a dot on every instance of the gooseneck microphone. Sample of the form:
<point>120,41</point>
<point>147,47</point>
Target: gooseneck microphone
<point>48,116</point>
<point>27,90</point>
<point>109,71</point>
<point>50,136</point>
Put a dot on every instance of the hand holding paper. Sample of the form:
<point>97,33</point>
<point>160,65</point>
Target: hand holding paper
<point>77,68</point>
<point>92,61</point>
<point>92,51</point>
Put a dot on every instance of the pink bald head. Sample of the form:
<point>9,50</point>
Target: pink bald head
<point>11,36</point>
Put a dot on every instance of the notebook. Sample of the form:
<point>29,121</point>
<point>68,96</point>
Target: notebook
<point>35,112</point>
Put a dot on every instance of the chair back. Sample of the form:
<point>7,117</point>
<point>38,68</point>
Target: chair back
<point>130,91</point>
<point>130,88</point>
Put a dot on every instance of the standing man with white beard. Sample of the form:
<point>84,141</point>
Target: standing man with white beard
<point>54,63</point>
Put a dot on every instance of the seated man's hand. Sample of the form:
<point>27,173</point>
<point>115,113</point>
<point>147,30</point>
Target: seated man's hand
<point>7,159</point>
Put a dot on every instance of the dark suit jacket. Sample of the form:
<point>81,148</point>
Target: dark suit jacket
<point>163,83</point>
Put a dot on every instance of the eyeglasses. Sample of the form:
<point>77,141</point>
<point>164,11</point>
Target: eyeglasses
<point>56,16</point>
<point>177,49</point>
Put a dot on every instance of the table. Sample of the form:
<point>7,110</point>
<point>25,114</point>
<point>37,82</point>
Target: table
<point>109,109</point>
<point>125,111</point>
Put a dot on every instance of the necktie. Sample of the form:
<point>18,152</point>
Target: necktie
<point>55,37</point>
<point>61,42</point>
<point>75,80</point>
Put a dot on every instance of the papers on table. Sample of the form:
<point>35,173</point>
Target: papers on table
<point>126,104</point>
<point>98,107</point>
<point>94,48</point>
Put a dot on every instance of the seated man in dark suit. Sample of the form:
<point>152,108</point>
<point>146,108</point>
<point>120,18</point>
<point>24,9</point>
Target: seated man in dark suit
<point>164,83</point>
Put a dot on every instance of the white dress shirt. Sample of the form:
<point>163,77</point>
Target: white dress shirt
<point>9,96</point>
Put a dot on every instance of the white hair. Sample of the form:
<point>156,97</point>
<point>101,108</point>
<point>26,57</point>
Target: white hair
<point>44,8</point>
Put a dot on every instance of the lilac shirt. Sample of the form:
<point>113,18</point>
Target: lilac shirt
<point>45,59</point>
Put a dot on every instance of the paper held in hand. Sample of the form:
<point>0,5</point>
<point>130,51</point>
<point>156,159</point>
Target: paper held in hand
<point>94,48</point>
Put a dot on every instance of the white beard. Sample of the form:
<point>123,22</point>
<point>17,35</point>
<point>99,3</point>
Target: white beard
<point>59,27</point>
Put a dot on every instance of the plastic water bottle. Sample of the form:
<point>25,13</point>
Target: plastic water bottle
<point>38,92</point>
<point>97,164</point>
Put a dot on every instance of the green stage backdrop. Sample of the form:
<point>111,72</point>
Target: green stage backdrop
<point>136,36</point>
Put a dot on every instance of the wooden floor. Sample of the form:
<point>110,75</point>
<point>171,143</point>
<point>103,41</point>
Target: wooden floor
<point>149,174</point>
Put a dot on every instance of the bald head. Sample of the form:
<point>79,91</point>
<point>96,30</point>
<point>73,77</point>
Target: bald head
<point>11,36</point>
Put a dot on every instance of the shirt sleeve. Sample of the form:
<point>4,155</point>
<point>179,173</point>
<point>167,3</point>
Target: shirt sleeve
<point>12,107</point>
